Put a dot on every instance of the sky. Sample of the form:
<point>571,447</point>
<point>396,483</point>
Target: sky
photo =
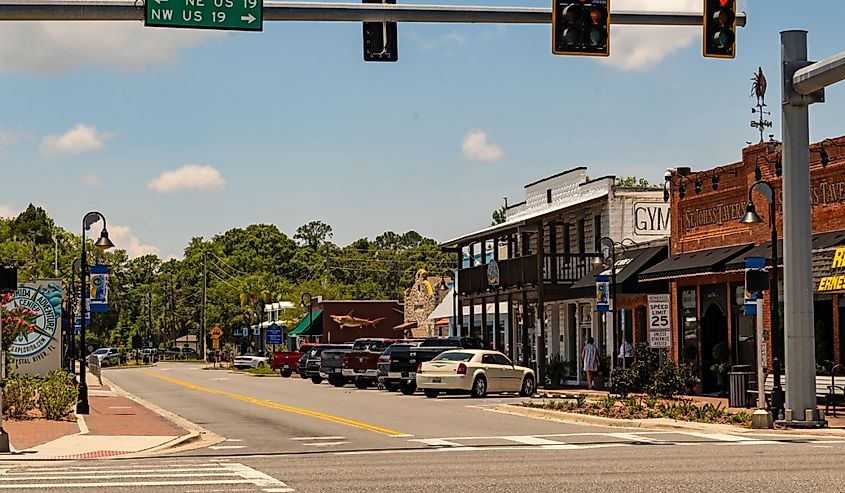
<point>174,134</point>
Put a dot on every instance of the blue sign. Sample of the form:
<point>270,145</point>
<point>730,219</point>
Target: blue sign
<point>602,293</point>
<point>98,289</point>
<point>273,334</point>
<point>750,305</point>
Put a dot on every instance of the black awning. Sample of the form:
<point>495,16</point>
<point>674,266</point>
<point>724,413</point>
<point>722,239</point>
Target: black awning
<point>763,250</point>
<point>828,240</point>
<point>629,264</point>
<point>708,261</point>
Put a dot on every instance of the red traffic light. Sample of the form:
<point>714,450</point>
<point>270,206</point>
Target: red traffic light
<point>581,27</point>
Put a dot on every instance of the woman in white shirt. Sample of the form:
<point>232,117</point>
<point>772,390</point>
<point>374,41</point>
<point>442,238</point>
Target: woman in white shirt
<point>590,358</point>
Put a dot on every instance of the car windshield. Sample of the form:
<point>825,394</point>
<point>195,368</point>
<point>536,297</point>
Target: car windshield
<point>450,356</point>
<point>101,351</point>
<point>440,343</point>
<point>367,346</point>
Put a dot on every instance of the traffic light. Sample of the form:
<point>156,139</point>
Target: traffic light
<point>581,27</point>
<point>8,278</point>
<point>720,28</point>
<point>756,280</point>
<point>380,44</point>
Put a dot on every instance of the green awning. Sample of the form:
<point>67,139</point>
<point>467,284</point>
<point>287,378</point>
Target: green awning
<point>307,328</point>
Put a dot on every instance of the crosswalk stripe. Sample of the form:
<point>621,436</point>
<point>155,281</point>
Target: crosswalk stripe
<point>437,442</point>
<point>722,437</point>
<point>532,440</point>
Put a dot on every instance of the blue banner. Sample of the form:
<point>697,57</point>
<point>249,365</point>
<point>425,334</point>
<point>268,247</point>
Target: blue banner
<point>99,289</point>
<point>602,293</point>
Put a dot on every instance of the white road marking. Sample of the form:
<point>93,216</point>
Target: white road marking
<point>324,444</point>
<point>226,447</point>
<point>634,438</point>
<point>402,435</point>
<point>532,440</point>
<point>722,437</point>
<point>438,442</point>
<point>317,438</point>
<point>233,440</point>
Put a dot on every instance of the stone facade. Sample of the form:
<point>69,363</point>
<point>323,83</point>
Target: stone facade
<point>420,300</point>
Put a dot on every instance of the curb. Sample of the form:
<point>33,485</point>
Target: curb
<point>274,374</point>
<point>197,436</point>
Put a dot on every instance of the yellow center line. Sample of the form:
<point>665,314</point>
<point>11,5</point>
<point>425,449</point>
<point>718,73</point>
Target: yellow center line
<point>281,407</point>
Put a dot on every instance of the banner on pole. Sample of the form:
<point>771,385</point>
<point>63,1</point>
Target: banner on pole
<point>603,294</point>
<point>98,289</point>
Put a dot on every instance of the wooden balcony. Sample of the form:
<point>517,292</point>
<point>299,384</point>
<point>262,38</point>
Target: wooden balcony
<point>520,272</point>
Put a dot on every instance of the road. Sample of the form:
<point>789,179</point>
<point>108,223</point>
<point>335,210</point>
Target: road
<point>286,435</point>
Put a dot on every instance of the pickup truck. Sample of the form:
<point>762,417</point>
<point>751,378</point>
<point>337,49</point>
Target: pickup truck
<point>287,362</point>
<point>313,361</point>
<point>398,368</point>
<point>361,364</point>
<point>331,365</point>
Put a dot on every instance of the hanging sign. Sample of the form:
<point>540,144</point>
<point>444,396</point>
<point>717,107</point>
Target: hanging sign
<point>98,289</point>
<point>603,294</point>
<point>36,346</point>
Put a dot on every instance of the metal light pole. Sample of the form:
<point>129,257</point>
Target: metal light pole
<point>307,296</point>
<point>751,217</point>
<point>8,282</point>
<point>103,243</point>
<point>598,262</point>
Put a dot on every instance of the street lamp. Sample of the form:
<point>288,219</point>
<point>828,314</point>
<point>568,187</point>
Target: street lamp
<point>307,296</point>
<point>602,260</point>
<point>103,243</point>
<point>751,217</point>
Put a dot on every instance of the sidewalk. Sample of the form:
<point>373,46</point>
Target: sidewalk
<point>117,425</point>
<point>836,424</point>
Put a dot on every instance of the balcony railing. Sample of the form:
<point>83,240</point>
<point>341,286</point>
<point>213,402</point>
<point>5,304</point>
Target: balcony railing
<point>558,268</point>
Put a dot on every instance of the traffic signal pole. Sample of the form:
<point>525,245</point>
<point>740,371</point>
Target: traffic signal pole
<point>130,10</point>
<point>803,83</point>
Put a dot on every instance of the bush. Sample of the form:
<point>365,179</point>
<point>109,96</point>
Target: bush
<point>649,376</point>
<point>19,396</point>
<point>57,395</point>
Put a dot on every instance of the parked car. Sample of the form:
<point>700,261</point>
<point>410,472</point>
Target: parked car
<point>301,365</point>
<point>250,360</point>
<point>400,369</point>
<point>475,371</point>
<point>331,365</point>
<point>149,355</point>
<point>392,380</point>
<point>361,364</point>
<point>110,354</point>
<point>287,362</point>
<point>312,363</point>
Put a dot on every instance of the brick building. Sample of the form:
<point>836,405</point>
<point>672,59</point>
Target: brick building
<point>708,247</point>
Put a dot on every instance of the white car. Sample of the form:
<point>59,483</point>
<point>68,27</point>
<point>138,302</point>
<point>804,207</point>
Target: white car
<point>250,360</point>
<point>476,371</point>
<point>107,353</point>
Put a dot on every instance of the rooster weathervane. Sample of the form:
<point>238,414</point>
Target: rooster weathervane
<point>758,88</point>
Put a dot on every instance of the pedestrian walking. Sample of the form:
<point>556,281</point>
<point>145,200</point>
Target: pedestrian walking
<point>626,353</point>
<point>590,358</point>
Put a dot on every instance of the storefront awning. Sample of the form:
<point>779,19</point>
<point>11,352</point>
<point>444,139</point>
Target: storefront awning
<point>764,250</point>
<point>711,261</point>
<point>628,264</point>
<point>308,328</point>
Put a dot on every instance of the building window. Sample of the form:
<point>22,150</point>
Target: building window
<point>597,232</point>
<point>567,246</point>
<point>581,234</point>
<point>549,196</point>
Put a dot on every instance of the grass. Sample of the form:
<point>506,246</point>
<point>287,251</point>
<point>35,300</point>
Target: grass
<point>262,370</point>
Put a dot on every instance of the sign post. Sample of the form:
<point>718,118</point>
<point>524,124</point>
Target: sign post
<point>233,15</point>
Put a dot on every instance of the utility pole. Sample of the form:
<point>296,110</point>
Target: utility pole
<point>204,301</point>
<point>803,84</point>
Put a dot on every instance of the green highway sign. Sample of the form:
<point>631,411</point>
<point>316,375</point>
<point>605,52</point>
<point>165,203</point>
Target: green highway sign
<point>238,15</point>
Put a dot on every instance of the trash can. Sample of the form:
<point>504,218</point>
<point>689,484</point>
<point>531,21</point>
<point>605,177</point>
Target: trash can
<point>738,380</point>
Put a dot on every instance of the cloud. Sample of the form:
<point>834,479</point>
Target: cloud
<point>638,47</point>
<point>188,177</point>
<point>80,138</point>
<point>9,211</point>
<point>8,138</point>
<point>476,148</point>
<point>123,239</point>
<point>59,47</point>
<point>91,180</point>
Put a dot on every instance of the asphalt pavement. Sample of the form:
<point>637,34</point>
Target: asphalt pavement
<point>286,435</point>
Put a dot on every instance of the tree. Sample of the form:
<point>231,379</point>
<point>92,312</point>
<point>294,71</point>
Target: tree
<point>313,234</point>
<point>500,215</point>
<point>634,182</point>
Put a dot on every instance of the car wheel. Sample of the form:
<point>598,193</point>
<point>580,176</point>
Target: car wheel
<point>317,380</point>
<point>337,381</point>
<point>361,383</point>
<point>431,393</point>
<point>285,373</point>
<point>409,388</point>
<point>260,364</point>
<point>479,387</point>
<point>391,387</point>
<point>527,386</point>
